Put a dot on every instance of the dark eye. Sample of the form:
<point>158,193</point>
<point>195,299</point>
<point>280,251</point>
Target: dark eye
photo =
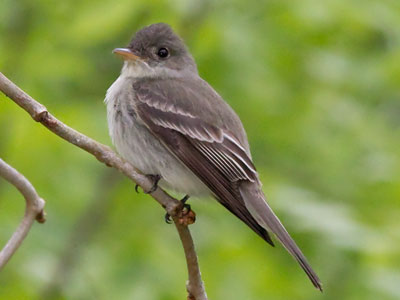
<point>163,52</point>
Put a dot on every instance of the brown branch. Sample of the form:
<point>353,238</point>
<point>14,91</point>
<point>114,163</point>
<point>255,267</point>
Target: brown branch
<point>33,210</point>
<point>194,286</point>
<point>104,154</point>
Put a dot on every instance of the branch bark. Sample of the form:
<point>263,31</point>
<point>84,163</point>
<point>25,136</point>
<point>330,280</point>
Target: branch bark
<point>33,210</point>
<point>104,154</point>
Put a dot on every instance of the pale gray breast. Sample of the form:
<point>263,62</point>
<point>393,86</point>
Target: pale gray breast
<point>132,139</point>
<point>135,143</point>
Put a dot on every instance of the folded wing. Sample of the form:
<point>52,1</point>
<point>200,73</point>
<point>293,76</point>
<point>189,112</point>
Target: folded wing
<point>214,153</point>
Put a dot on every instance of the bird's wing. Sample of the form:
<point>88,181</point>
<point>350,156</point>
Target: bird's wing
<point>212,151</point>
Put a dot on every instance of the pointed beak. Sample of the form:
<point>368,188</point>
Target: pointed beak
<point>126,54</point>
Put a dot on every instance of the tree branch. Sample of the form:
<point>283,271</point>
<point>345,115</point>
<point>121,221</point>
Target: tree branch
<point>104,154</point>
<point>33,210</point>
<point>194,286</point>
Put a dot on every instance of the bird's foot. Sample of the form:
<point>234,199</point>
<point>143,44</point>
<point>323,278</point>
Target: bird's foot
<point>155,178</point>
<point>167,218</point>
<point>186,215</point>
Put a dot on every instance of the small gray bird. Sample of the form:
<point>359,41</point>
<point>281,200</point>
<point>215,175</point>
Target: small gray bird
<point>171,124</point>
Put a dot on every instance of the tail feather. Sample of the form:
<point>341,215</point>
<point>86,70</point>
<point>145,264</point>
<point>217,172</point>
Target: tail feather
<point>254,200</point>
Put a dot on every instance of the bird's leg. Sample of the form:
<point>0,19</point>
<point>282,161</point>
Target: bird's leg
<point>186,207</point>
<point>186,210</point>
<point>155,178</point>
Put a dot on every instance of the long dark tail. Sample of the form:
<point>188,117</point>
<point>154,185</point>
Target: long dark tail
<point>254,200</point>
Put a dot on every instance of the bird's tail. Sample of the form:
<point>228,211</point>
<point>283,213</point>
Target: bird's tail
<point>254,201</point>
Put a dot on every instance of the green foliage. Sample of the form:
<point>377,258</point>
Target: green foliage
<point>316,84</point>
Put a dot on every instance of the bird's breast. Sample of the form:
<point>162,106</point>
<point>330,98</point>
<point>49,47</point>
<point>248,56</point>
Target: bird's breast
<point>136,144</point>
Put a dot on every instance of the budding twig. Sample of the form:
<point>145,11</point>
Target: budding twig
<point>33,210</point>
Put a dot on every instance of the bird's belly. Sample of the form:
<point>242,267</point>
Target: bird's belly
<point>136,144</point>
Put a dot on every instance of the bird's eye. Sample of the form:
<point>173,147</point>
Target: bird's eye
<point>163,52</point>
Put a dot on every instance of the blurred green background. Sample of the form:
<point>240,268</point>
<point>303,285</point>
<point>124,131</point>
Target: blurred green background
<point>316,84</point>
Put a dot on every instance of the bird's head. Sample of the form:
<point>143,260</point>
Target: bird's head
<point>156,50</point>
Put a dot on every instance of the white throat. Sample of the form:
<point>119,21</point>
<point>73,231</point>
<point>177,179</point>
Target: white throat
<point>140,69</point>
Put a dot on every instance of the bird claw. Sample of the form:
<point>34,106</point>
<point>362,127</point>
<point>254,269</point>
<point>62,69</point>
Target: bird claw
<point>186,216</point>
<point>186,209</point>
<point>167,218</point>
<point>156,178</point>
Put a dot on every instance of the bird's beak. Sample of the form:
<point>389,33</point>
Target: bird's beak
<point>126,54</point>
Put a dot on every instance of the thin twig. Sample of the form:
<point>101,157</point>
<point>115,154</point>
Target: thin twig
<point>194,286</point>
<point>33,210</point>
<point>104,154</point>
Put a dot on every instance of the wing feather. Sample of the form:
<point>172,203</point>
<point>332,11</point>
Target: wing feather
<point>210,152</point>
<point>216,144</point>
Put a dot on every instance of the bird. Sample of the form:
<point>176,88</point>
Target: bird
<point>171,125</point>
